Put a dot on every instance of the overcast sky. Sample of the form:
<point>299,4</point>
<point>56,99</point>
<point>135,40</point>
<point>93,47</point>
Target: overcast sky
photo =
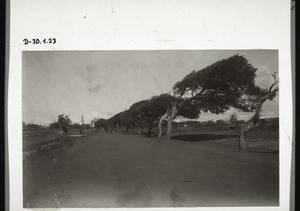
<point>103,83</point>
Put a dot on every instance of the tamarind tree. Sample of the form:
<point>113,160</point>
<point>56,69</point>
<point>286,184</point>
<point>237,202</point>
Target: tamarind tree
<point>215,88</point>
<point>254,98</point>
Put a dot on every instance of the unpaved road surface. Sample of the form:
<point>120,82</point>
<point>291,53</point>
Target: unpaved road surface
<point>121,170</point>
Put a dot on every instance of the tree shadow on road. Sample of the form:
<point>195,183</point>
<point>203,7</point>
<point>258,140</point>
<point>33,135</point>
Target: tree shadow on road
<point>202,137</point>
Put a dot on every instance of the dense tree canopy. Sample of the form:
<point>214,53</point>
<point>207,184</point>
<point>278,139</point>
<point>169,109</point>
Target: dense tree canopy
<point>63,123</point>
<point>100,123</point>
<point>219,86</point>
<point>147,112</point>
<point>228,83</point>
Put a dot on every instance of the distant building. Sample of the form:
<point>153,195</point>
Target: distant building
<point>45,126</point>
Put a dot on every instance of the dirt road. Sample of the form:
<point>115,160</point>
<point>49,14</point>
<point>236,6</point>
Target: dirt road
<point>120,170</point>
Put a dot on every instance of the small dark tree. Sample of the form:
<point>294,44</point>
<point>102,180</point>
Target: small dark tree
<point>233,118</point>
<point>64,122</point>
<point>233,121</point>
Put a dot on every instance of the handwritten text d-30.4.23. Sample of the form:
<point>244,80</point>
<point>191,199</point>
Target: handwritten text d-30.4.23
<point>39,41</point>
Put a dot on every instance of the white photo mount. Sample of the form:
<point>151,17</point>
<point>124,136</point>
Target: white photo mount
<point>152,25</point>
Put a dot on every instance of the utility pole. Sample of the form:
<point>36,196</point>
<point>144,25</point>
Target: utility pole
<point>82,120</point>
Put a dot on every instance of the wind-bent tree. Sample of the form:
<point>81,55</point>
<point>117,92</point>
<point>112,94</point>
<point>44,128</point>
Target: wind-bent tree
<point>151,111</point>
<point>215,88</point>
<point>116,121</point>
<point>143,113</point>
<point>100,123</point>
<point>132,116</point>
<point>254,98</point>
<point>186,109</point>
<point>138,110</point>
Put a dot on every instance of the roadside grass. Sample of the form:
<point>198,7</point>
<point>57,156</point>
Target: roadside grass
<point>257,141</point>
<point>33,140</point>
<point>38,141</point>
<point>262,141</point>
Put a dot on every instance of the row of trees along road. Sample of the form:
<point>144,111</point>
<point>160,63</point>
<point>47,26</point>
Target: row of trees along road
<point>228,83</point>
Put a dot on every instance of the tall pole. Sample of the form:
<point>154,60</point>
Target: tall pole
<point>82,119</point>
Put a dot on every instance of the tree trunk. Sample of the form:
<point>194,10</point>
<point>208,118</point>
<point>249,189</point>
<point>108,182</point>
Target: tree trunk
<point>170,121</point>
<point>252,122</point>
<point>248,127</point>
<point>245,129</point>
<point>169,129</point>
<point>139,131</point>
<point>127,128</point>
<point>150,130</point>
<point>117,126</point>
<point>242,142</point>
<point>164,117</point>
<point>160,127</point>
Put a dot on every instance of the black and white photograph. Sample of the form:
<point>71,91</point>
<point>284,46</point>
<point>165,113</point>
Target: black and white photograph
<point>150,128</point>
